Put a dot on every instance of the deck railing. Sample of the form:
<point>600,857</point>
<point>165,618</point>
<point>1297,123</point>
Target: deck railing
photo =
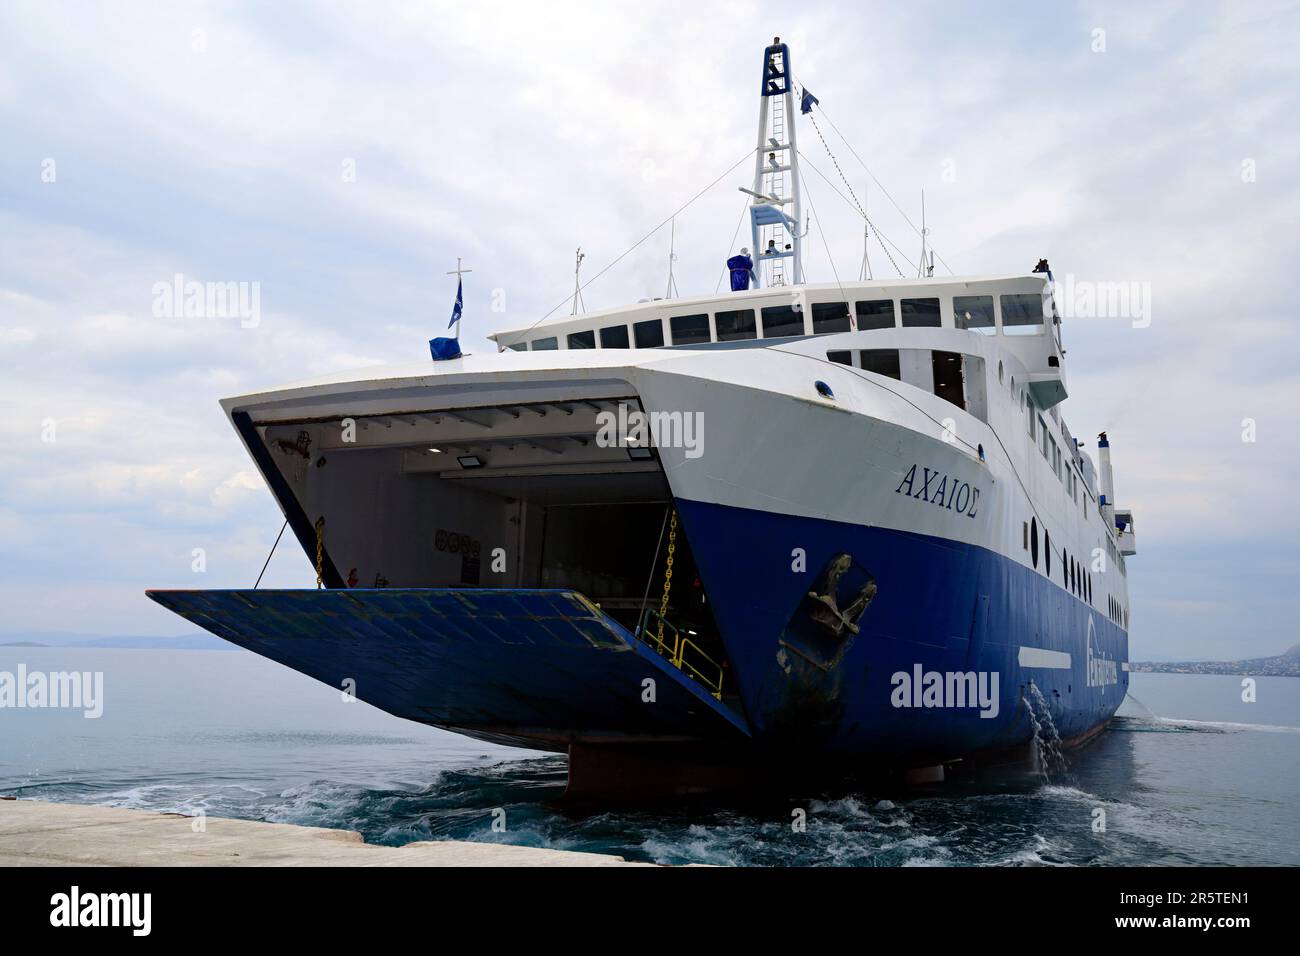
<point>683,653</point>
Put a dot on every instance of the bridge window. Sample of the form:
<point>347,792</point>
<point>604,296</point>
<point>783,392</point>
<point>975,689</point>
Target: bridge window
<point>882,362</point>
<point>876,314</point>
<point>830,317</point>
<point>518,347</point>
<point>545,345</point>
<point>690,329</point>
<point>843,358</point>
<point>1022,313</point>
<point>920,313</point>
<point>614,337</point>
<point>778,320</point>
<point>974,312</point>
<point>948,383</point>
<point>582,340</point>
<point>734,325</point>
<point>649,334</point>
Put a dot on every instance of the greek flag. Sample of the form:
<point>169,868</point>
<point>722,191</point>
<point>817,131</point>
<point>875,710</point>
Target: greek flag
<point>458,308</point>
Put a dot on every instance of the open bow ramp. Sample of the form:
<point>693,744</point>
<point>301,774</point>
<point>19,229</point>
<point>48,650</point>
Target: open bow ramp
<point>544,669</point>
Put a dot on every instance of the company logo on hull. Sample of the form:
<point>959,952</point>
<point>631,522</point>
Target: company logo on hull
<point>1101,669</point>
<point>940,489</point>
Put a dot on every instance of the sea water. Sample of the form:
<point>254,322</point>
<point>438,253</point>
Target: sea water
<point>1192,775</point>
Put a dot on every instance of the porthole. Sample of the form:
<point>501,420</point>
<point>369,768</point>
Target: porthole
<point>1033,541</point>
<point>1047,554</point>
<point>999,371</point>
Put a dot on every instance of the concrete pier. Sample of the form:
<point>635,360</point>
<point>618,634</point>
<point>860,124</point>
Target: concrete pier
<point>56,834</point>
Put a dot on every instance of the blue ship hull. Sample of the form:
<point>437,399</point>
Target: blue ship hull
<point>940,605</point>
<point>547,669</point>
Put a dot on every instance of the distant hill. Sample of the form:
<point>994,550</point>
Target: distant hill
<point>1286,664</point>
<point>198,641</point>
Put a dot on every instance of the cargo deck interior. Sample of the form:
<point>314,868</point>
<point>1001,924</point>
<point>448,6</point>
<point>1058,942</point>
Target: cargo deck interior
<point>505,496</point>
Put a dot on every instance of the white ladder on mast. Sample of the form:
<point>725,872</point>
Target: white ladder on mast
<point>774,211</point>
<point>777,189</point>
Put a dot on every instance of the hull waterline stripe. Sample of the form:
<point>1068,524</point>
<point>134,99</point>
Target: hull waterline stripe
<point>1039,657</point>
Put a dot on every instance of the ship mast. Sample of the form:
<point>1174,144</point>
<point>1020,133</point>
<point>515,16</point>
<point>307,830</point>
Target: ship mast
<point>775,210</point>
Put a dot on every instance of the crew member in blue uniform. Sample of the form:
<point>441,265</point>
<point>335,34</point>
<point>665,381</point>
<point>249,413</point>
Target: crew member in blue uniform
<point>742,271</point>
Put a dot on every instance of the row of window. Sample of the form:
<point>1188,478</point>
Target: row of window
<point>1021,314</point>
<point>1063,467</point>
<point>1075,578</point>
<point>881,361</point>
<point>1117,612</point>
<point>1116,558</point>
<point>945,377</point>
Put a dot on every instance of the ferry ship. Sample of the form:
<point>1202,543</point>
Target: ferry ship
<point>695,540</point>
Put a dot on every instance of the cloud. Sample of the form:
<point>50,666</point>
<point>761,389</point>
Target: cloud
<point>216,142</point>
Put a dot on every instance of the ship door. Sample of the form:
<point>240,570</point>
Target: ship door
<point>948,382</point>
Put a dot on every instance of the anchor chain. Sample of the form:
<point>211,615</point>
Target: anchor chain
<point>320,550</point>
<point>668,579</point>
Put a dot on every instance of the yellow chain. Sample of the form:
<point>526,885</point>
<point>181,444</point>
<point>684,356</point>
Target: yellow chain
<point>668,576</point>
<point>320,548</point>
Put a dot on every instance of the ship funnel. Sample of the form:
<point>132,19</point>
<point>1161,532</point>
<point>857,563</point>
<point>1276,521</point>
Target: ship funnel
<point>1107,480</point>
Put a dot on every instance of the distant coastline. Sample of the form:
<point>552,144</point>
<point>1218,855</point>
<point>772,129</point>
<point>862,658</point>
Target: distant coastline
<point>1283,665</point>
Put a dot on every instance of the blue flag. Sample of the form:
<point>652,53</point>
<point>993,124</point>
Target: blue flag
<point>458,308</point>
<point>809,101</point>
<point>441,349</point>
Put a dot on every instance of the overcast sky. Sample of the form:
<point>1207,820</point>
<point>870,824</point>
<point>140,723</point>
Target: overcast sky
<point>343,156</point>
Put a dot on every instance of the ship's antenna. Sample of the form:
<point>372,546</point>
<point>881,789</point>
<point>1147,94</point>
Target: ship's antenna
<point>865,271</point>
<point>920,269</point>
<point>672,257</point>
<point>926,267</point>
<point>577,283</point>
